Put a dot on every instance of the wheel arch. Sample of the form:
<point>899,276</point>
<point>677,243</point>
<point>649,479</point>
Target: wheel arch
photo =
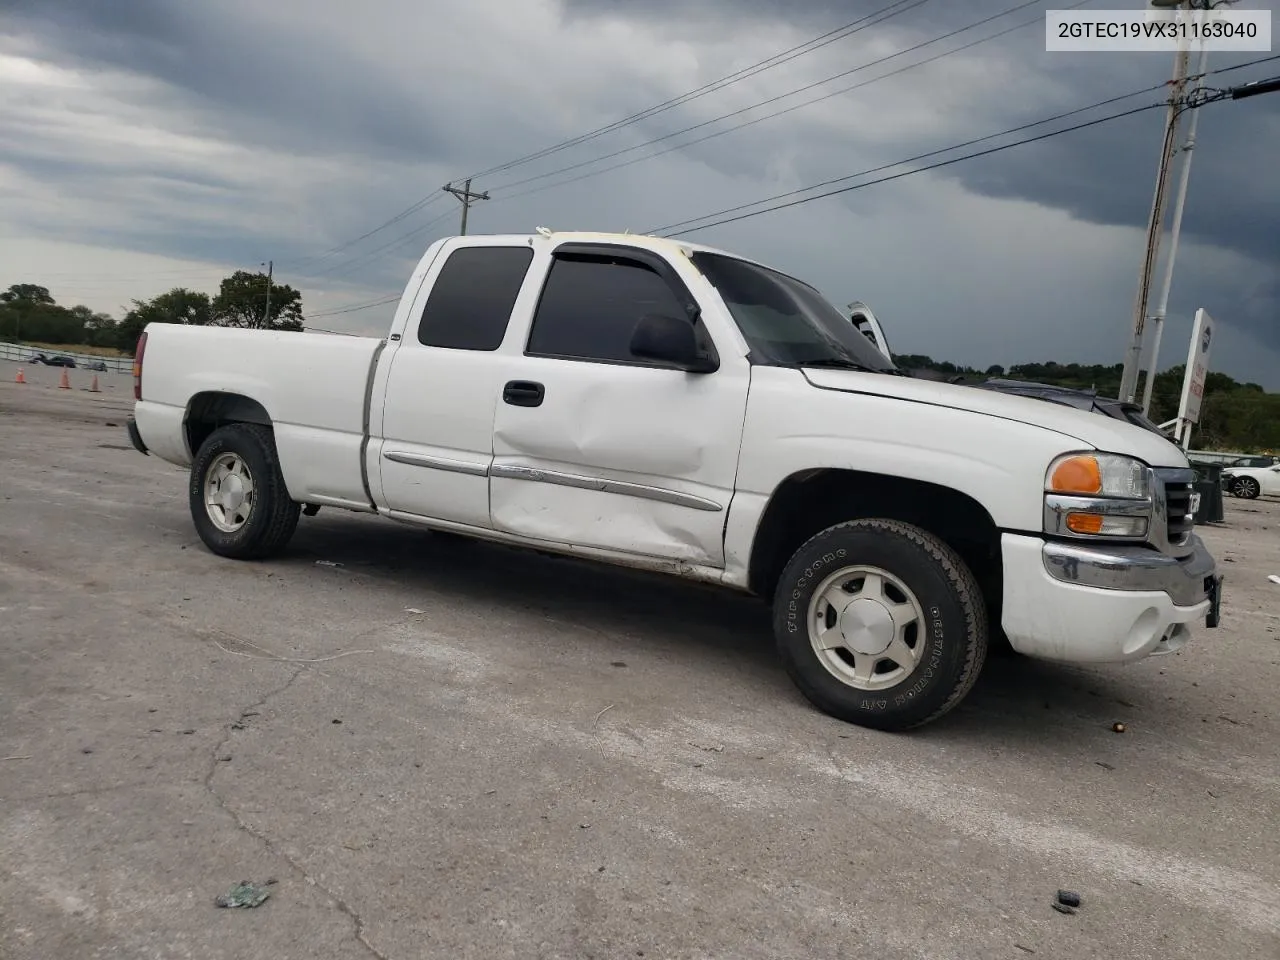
<point>210,409</point>
<point>809,501</point>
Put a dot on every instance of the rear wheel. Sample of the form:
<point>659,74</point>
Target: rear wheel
<point>1246,487</point>
<point>238,499</point>
<point>881,624</point>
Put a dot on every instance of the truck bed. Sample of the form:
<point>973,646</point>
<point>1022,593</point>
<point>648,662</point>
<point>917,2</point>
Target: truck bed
<point>312,386</point>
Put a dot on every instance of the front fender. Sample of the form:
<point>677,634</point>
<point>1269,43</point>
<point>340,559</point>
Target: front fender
<point>791,428</point>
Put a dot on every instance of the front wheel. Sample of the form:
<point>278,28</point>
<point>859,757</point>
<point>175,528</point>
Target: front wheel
<point>1246,487</point>
<point>881,624</point>
<point>238,499</point>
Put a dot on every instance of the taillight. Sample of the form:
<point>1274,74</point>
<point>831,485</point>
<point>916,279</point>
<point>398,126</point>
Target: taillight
<point>137,365</point>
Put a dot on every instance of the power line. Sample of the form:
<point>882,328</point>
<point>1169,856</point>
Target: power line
<point>776,60</point>
<point>898,163</point>
<point>777,113</point>
<point>771,100</point>
<point>364,259</point>
<point>955,146</point>
<point>786,56</point>
<point>408,211</point>
<point>354,308</point>
<point>907,173</point>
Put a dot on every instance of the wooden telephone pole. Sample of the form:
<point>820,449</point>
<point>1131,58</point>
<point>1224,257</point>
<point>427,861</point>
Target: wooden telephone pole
<point>466,197</point>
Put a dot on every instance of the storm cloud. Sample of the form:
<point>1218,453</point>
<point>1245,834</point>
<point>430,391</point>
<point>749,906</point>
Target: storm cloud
<point>196,137</point>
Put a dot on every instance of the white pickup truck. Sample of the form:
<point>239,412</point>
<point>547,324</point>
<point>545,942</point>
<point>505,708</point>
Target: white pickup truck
<point>669,406</point>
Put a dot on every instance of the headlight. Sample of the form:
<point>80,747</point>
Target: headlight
<point>1098,495</point>
<point>1099,475</point>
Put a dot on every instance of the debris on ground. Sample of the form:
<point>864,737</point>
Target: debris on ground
<point>413,610</point>
<point>1117,728</point>
<point>1273,578</point>
<point>243,894</point>
<point>328,563</point>
<point>1069,898</point>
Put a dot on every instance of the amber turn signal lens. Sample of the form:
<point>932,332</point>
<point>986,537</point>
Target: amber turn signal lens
<point>1077,475</point>
<point>1084,522</point>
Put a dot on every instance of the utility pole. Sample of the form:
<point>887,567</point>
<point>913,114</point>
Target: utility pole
<point>266,313</point>
<point>1179,204</point>
<point>1155,222</point>
<point>466,197</point>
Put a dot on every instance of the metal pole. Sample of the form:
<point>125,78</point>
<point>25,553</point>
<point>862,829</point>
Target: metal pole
<point>266,313</point>
<point>1179,204</point>
<point>1133,355</point>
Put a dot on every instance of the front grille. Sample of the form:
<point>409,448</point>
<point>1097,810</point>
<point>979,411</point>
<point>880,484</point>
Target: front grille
<point>1178,500</point>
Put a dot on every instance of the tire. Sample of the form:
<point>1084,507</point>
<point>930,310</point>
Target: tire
<point>239,527</point>
<point>1246,488</point>
<point>941,627</point>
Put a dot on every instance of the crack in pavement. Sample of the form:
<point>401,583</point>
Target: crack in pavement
<point>357,921</point>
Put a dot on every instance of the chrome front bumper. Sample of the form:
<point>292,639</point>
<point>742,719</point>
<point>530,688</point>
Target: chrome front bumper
<point>1187,580</point>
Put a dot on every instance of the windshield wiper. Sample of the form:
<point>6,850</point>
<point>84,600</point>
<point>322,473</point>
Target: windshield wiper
<point>838,363</point>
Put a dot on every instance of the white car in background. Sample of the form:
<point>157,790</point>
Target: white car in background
<point>1252,482</point>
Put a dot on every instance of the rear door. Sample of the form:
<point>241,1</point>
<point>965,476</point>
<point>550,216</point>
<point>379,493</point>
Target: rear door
<point>443,384</point>
<point>595,447</point>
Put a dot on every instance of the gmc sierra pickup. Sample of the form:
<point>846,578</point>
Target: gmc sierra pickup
<point>670,406</point>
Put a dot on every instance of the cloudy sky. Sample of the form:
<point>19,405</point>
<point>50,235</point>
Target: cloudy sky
<point>150,144</point>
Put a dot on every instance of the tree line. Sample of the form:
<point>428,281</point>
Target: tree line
<point>1234,416</point>
<point>28,312</point>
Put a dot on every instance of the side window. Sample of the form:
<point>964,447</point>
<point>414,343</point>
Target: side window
<point>590,306</point>
<point>471,300</point>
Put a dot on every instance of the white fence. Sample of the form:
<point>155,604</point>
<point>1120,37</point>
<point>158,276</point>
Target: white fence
<point>23,354</point>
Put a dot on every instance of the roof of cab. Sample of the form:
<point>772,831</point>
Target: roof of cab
<point>643,240</point>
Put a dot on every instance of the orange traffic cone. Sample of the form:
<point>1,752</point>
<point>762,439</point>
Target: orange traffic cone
<point>21,378</point>
<point>93,387</point>
<point>65,382</point>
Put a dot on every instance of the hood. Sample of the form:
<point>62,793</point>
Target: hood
<point>1089,429</point>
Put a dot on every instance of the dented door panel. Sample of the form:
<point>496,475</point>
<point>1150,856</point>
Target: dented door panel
<point>620,457</point>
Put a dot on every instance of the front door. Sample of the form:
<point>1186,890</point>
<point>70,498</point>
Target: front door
<point>595,447</point>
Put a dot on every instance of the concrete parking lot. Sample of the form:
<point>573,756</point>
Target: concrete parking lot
<point>448,749</point>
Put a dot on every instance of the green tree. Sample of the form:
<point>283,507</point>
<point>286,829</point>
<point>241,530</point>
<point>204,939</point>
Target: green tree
<point>242,301</point>
<point>179,305</point>
<point>27,293</point>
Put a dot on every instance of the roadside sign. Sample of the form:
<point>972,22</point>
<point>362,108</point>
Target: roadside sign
<point>1197,368</point>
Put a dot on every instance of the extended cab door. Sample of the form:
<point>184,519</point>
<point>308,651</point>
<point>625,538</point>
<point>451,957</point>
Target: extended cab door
<point>595,447</point>
<point>443,383</point>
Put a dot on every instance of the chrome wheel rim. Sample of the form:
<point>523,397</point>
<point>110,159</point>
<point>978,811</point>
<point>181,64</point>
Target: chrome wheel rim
<point>228,492</point>
<point>866,627</point>
<point>1247,487</point>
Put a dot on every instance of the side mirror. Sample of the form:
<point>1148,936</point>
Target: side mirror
<point>670,340</point>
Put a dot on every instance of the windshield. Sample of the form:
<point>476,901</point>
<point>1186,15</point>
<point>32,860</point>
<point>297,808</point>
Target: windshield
<point>786,322</point>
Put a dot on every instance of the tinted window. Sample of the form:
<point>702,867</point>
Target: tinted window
<point>590,307</point>
<point>470,302</point>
